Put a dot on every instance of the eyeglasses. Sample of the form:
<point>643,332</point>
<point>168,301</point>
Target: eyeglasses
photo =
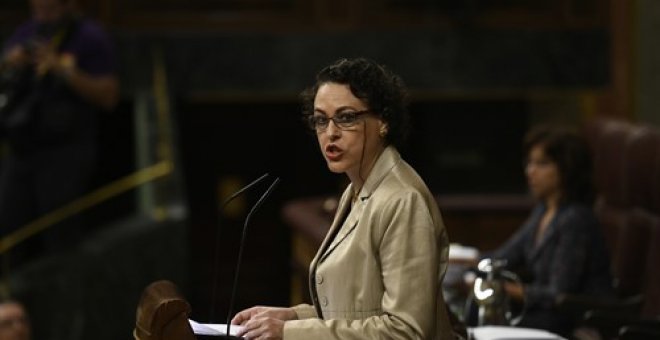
<point>539,163</point>
<point>343,120</point>
<point>10,322</point>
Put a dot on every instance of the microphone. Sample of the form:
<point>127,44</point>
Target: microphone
<point>217,239</point>
<point>240,254</point>
<point>245,188</point>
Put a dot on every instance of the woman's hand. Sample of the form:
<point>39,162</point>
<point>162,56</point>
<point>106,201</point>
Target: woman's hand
<point>515,290</point>
<point>262,322</point>
<point>263,327</point>
<point>278,313</point>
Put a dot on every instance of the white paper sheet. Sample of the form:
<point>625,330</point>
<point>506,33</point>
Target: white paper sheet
<point>511,333</point>
<point>461,252</point>
<point>213,328</point>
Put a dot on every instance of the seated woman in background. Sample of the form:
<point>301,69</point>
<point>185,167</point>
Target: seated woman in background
<point>560,248</point>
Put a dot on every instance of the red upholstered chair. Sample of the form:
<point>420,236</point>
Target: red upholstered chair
<point>162,314</point>
<point>609,155</point>
<point>643,167</point>
<point>630,256</point>
<point>627,176</point>
<point>629,262</point>
<point>615,321</point>
<point>651,308</point>
<point>655,183</point>
<point>652,304</point>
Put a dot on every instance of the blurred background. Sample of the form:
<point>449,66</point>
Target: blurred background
<point>209,102</point>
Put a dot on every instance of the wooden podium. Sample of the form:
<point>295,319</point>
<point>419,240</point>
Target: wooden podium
<point>162,314</point>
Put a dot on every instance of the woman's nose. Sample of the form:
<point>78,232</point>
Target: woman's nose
<point>529,169</point>
<point>333,131</point>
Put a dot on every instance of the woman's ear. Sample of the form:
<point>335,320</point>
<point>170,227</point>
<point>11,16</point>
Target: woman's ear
<point>384,129</point>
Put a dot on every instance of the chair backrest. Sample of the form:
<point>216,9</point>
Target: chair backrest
<point>655,183</point>
<point>643,187</point>
<point>627,178</point>
<point>629,262</point>
<point>651,306</point>
<point>162,314</point>
<point>642,155</point>
<point>634,220</point>
<point>609,147</point>
<point>608,140</point>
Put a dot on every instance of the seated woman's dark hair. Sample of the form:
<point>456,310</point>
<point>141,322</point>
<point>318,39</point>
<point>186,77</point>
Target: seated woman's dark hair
<point>571,153</point>
<point>383,92</point>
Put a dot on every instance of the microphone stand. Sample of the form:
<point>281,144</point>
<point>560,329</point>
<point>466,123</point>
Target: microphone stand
<point>217,241</point>
<point>240,255</point>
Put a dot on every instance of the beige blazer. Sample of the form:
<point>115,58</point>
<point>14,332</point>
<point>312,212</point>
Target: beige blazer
<point>378,274</point>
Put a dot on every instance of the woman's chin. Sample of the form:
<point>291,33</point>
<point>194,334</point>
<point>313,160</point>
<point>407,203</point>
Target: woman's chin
<point>335,167</point>
<point>539,195</point>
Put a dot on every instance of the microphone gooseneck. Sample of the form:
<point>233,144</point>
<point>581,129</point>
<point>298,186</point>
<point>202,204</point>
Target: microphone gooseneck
<point>245,188</point>
<point>217,241</point>
<point>241,246</point>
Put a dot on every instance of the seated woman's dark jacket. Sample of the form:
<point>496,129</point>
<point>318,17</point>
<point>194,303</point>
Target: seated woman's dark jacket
<point>570,258</point>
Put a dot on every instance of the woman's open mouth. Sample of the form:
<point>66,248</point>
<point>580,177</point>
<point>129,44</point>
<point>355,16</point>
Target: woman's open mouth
<point>333,152</point>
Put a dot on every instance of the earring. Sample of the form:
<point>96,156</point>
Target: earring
<point>383,131</point>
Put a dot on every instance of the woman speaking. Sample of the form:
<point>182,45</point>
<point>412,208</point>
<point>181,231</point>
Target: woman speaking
<point>378,273</point>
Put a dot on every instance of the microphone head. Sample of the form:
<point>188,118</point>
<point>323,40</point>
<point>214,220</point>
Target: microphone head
<point>243,189</point>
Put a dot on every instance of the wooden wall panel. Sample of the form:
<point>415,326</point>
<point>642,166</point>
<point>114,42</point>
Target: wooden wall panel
<point>12,12</point>
<point>244,15</point>
<point>332,15</point>
<point>9,5</point>
<point>204,5</point>
<point>560,14</point>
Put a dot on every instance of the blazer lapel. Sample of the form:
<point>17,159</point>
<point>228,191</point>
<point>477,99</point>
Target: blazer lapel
<point>346,229</point>
<point>342,210</point>
<point>383,166</point>
<point>344,204</point>
<point>339,231</point>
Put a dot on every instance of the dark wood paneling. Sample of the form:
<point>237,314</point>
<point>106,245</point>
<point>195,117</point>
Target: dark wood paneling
<point>334,15</point>
<point>206,5</point>
<point>324,15</point>
<point>13,5</point>
<point>210,15</point>
<point>12,12</point>
<point>546,14</point>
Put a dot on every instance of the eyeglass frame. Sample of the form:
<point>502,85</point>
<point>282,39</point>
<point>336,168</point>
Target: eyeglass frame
<point>313,126</point>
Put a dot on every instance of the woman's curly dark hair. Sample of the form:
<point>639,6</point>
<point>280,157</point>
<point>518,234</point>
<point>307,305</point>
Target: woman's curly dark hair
<point>382,91</point>
<point>571,153</point>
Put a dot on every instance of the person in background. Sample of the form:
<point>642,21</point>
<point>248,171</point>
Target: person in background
<point>560,248</point>
<point>14,322</point>
<point>58,74</point>
<point>378,272</point>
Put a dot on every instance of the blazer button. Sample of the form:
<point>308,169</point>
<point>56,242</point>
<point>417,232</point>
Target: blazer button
<point>324,301</point>
<point>319,279</point>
